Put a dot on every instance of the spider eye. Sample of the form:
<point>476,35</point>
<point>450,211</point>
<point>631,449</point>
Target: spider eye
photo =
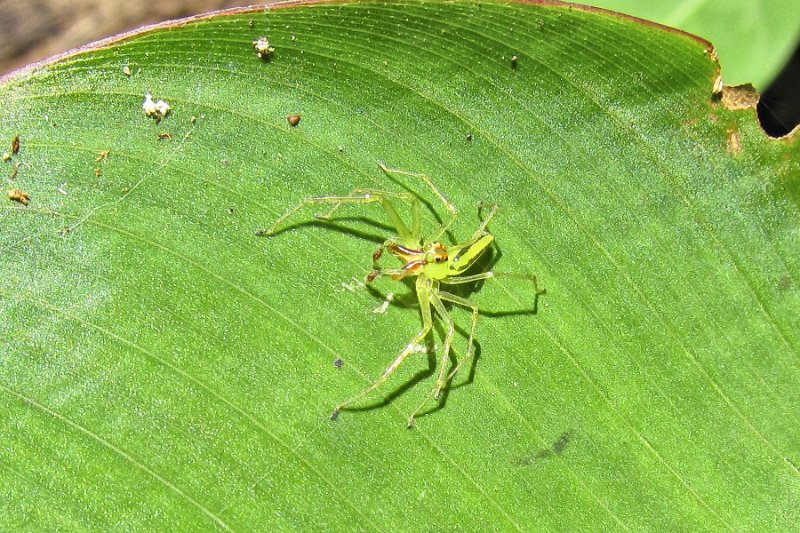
<point>441,258</point>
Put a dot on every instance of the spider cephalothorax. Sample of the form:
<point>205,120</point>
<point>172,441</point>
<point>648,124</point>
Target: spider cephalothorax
<point>429,260</point>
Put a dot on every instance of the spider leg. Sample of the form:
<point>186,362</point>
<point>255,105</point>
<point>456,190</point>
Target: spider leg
<point>362,196</point>
<point>434,393</point>
<point>395,273</point>
<point>425,310</point>
<point>315,200</point>
<point>481,231</point>
<point>406,235</point>
<point>458,300</point>
<point>448,341</point>
<point>456,280</point>
<point>441,379</point>
<point>451,209</point>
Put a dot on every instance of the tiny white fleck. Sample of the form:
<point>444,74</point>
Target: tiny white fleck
<point>149,106</point>
<point>718,85</point>
<point>162,108</point>
<point>263,49</point>
<point>156,110</point>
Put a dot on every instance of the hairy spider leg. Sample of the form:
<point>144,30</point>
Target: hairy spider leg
<point>442,381</point>
<point>435,297</point>
<point>446,296</point>
<point>427,323</point>
<point>381,197</point>
<point>424,177</point>
<point>408,237</point>
<point>481,231</point>
<point>455,280</point>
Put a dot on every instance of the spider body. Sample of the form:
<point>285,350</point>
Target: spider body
<point>433,263</point>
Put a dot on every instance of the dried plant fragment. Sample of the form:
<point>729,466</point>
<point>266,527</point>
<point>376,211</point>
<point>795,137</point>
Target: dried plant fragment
<point>734,144</point>
<point>738,97</point>
<point>18,196</point>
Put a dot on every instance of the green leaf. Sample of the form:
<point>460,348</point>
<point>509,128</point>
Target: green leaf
<point>162,367</point>
<point>754,39</point>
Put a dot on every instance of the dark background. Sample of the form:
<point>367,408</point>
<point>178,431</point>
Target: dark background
<point>36,29</point>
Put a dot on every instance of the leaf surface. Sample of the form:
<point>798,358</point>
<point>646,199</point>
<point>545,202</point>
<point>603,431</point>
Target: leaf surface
<point>162,367</point>
<point>754,39</point>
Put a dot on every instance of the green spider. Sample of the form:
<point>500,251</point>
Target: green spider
<point>433,263</point>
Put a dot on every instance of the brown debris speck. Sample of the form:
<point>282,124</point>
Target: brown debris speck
<point>18,196</point>
<point>15,145</point>
<point>97,172</point>
<point>294,120</point>
<point>164,136</point>
<point>102,156</point>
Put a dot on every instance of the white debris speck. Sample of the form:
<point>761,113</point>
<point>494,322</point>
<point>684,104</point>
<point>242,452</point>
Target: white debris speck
<point>716,90</point>
<point>263,49</point>
<point>149,105</point>
<point>62,189</point>
<point>381,310</point>
<point>156,110</point>
<point>126,70</point>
